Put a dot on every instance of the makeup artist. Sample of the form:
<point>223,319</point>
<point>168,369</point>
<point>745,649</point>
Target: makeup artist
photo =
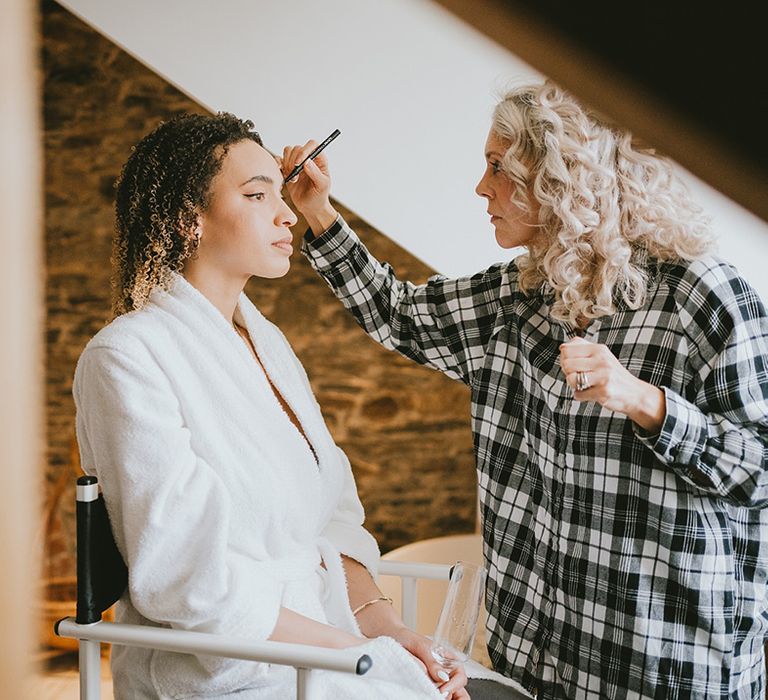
<point>619,378</point>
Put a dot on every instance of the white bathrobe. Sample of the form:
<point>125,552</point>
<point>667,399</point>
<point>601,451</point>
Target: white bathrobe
<point>216,501</point>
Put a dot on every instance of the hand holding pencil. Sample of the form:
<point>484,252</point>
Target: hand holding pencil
<point>308,181</point>
<point>313,154</point>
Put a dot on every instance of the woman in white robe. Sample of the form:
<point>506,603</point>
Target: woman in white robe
<point>233,507</point>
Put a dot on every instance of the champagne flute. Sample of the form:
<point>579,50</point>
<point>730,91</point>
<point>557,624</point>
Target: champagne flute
<point>455,632</point>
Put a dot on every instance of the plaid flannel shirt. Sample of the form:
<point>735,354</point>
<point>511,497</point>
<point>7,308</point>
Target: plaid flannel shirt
<point>620,564</point>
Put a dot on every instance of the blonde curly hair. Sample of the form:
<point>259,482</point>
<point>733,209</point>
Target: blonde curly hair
<point>163,187</point>
<point>609,206</point>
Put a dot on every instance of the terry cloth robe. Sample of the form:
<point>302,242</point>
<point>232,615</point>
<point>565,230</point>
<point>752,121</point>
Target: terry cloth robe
<point>217,503</point>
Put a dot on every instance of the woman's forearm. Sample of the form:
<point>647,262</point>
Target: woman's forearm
<point>297,629</point>
<point>649,409</point>
<point>374,620</point>
<point>320,220</point>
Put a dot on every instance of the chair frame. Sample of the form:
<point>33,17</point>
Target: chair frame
<point>305,658</point>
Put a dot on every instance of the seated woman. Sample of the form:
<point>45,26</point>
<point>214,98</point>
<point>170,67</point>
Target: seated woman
<point>234,509</point>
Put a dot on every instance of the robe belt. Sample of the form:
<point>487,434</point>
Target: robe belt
<point>303,566</point>
<point>299,567</point>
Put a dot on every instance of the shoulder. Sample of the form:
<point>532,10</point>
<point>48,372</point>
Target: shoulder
<point>709,282</point>
<point>505,272</point>
<point>497,281</point>
<point>712,296</point>
<point>129,331</point>
<point>131,338</point>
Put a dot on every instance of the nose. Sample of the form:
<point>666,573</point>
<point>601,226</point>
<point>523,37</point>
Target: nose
<point>482,188</point>
<point>286,217</point>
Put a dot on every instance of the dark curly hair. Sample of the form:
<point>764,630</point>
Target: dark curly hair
<point>163,187</point>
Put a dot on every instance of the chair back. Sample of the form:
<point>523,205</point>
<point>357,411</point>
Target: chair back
<point>102,575</point>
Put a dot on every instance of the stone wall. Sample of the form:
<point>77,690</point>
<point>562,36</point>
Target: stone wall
<point>404,427</point>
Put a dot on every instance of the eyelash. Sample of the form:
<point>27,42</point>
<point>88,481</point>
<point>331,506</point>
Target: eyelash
<point>258,196</point>
<point>495,167</point>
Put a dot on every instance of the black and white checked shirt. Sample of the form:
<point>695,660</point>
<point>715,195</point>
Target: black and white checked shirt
<point>621,565</point>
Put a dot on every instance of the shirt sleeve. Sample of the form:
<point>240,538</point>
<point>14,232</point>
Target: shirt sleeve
<point>168,508</point>
<point>345,529</point>
<point>716,436</point>
<point>445,323</point>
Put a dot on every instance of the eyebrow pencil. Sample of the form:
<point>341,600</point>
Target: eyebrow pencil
<point>314,153</point>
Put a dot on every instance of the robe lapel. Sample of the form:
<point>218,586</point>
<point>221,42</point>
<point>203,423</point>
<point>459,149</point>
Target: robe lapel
<point>287,375</point>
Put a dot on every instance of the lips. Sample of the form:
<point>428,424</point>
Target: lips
<point>284,244</point>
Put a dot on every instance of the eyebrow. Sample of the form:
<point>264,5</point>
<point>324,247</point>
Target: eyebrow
<point>493,153</point>
<point>259,178</point>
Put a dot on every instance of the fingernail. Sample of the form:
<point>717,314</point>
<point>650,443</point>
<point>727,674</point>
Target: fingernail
<point>442,675</point>
<point>445,694</point>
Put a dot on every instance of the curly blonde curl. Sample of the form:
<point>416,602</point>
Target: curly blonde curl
<point>608,206</point>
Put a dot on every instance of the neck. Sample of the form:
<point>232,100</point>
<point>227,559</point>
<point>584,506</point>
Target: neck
<point>223,292</point>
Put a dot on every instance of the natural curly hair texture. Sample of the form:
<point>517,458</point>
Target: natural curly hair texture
<point>163,187</point>
<point>609,206</point>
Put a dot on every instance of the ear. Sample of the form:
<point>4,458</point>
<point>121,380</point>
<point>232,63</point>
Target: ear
<point>196,233</point>
<point>191,232</point>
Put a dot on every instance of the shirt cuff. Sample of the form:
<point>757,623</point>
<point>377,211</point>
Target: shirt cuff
<point>682,436</point>
<point>331,246</point>
<point>330,232</point>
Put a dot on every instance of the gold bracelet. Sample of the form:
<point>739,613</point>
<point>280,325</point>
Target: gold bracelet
<point>371,602</point>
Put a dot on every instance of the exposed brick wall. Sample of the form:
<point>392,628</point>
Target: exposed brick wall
<point>404,427</point>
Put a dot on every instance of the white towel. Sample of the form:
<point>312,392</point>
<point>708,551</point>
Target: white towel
<point>395,674</point>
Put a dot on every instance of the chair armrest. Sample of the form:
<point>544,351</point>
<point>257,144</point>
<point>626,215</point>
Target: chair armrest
<point>409,573</point>
<point>412,569</point>
<point>299,655</point>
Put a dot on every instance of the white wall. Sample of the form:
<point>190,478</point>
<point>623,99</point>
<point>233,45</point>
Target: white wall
<point>410,87</point>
